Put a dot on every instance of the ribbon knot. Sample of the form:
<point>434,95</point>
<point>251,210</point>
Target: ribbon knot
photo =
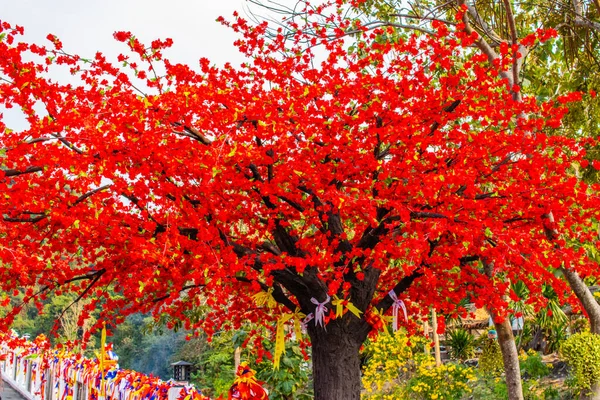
<point>396,307</point>
<point>320,310</point>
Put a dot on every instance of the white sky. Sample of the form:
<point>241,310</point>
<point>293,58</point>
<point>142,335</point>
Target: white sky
<point>86,26</point>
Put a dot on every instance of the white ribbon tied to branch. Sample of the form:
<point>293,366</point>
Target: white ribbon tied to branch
<point>320,310</point>
<point>396,307</point>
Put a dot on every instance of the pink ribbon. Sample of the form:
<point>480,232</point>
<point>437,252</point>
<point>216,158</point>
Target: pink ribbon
<point>306,320</point>
<point>396,307</point>
<point>320,310</point>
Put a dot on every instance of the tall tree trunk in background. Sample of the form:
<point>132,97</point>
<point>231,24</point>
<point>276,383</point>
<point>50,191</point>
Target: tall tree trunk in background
<point>591,307</point>
<point>586,297</point>
<point>426,334</point>
<point>436,338</point>
<point>508,347</point>
<point>510,357</point>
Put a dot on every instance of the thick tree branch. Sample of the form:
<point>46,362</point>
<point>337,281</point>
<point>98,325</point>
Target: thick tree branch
<point>333,222</point>
<point>580,20</point>
<point>28,170</point>
<point>67,143</point>
<point>401,287</point>
<point>481,43</point>
<point>192,133</point>
<point>35,219</point>
<point>277,293</point>
<point>82,277</point>
<point>510,19</point>
<point>89,194</point>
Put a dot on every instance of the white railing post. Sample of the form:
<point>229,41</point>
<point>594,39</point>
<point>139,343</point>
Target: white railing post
<point>28,384</point>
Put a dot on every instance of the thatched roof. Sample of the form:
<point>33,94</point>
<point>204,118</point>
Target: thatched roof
<point>478,318</point>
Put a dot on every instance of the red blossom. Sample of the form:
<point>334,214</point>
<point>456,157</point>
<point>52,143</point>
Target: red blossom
<point>122,36</point>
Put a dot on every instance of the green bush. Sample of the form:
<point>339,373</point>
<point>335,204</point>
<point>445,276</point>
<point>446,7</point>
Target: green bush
<point>490,360</point>
<point>461,343</point>
<point>582,354</point>
<point>532,365</point>
<point>488,388</point>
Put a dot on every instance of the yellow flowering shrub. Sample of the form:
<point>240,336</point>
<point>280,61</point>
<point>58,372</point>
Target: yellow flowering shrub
<point>582,353</point>
<point>446,382</point>
<point>490,360</point>
<point>397,368</point>
<point>389,360</point>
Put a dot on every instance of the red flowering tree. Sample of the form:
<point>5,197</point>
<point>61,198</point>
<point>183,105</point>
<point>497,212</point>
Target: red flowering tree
<point>398,171</point>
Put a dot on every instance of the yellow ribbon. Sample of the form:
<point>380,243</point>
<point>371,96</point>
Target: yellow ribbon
<point>352,308</point>
<point>102,358</point>
<point>298,318</point>
<point>280,339</point>
<point>383,318</point>
<point>339,307</point>
<point>265,298</point>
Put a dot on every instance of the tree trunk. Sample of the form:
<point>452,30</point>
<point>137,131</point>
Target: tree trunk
<point>510,357</point>
<point>436,338</point>
<point>585,296</point>
<point>591,307</point>
<point>336,362</point>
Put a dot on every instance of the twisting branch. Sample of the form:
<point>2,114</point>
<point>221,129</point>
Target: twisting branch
<point>95,277</point>
<point>510,19</point>
<point>183,289</point>
<point>89,194</point>
<point>67,143</point>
